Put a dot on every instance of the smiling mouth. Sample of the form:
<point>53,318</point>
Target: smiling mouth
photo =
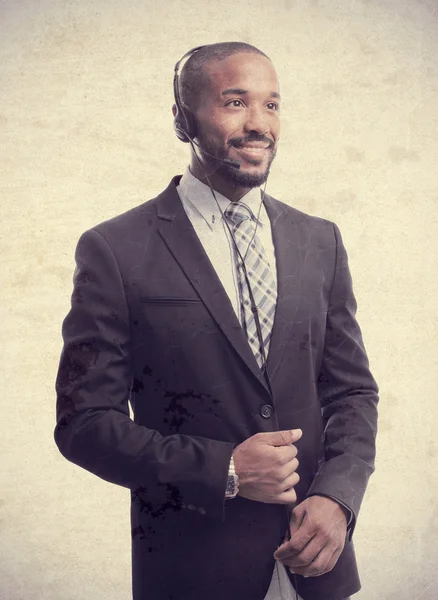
<point>254,146</point>
<point>255,152</point>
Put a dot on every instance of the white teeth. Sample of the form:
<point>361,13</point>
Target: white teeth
<point>252,149</point>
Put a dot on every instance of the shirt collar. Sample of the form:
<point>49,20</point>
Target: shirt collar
<point>199,196</point>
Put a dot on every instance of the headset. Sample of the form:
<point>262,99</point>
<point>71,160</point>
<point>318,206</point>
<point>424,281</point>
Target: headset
<point>184,124</point>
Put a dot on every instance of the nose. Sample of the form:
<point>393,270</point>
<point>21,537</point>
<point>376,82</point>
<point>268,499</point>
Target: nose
<point>256,121</point>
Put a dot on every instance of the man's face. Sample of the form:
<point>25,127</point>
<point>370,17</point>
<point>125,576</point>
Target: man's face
<point>238,117</point>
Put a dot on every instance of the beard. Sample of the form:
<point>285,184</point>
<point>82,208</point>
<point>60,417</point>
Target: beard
<point>238,177</point>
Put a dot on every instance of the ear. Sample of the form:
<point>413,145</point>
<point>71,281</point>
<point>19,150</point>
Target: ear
<point>174,110</point>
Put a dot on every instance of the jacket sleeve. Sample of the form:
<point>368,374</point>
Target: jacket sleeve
<point>94,429</point>
<point>348,395</point>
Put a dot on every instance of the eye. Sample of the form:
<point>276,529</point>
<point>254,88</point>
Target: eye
<point>235,103</point>
<point>273,106</point>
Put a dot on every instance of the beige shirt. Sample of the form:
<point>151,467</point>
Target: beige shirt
<point>205,216</point>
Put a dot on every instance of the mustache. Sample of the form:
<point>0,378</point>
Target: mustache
<point>238,142</point>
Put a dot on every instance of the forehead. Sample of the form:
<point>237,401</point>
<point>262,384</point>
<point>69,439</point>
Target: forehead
<point>252,72</point>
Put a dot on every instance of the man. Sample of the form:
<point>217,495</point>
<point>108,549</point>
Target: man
<point>227,319</point>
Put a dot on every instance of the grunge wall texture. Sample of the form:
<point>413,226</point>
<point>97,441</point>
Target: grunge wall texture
<point>86,133</point>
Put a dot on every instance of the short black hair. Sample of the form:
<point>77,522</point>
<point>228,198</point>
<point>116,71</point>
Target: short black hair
<point>192,78</point>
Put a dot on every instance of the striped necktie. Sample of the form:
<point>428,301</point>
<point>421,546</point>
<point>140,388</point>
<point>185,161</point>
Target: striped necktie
<point>261,280</point>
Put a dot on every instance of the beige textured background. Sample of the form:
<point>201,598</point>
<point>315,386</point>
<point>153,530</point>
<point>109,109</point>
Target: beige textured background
<point>86,133</point>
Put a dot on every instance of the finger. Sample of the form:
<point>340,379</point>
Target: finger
<point>293,526</point>
<point>290,550</point>
<point>280,438</point>
<point>284,490</point>
<point>286,453</point>
<point>291,467</point>
<point>290,481</point>
<point>299,560</point>
<point>286,497</point>
<point>304,533</point>
<point>284,474</point>
<point>287,468</point>
<point>296,544</point>
<point>290,555</point>
<point>316,567</point>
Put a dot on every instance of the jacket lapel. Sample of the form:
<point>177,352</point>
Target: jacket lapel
<point>286,242</point>
<point>181,239</point>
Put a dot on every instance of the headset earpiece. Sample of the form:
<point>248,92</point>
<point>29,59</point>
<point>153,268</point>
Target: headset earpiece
<point>184,121</point>
<point>184,125</point>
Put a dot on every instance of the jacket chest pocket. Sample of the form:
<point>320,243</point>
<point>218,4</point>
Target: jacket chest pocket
<point>168,301</point>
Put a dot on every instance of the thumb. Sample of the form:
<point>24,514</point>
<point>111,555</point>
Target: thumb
<point>282,438</point>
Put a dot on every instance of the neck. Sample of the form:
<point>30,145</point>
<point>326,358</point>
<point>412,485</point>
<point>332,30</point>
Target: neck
<point>223,186</point>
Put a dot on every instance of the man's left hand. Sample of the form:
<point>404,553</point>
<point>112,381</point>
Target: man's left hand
<point>318,528</point>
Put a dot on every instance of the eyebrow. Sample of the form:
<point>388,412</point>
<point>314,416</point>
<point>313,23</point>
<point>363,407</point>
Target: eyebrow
<point>241,92</point>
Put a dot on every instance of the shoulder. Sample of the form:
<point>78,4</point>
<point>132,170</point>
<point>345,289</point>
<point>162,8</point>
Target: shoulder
<point>128,223</point>
<point>295,215</point>
<point>306,231</point>
<point>306,226</point>
<point>136,224</point>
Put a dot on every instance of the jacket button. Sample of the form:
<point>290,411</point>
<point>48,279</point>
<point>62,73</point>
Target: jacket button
<point>266,411</point>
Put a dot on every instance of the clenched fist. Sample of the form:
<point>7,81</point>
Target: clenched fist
<point>266,464</point>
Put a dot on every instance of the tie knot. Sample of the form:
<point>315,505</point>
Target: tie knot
<point>237,212</point>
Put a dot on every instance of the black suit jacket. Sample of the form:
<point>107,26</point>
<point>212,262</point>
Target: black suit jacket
<point>151,323</point>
